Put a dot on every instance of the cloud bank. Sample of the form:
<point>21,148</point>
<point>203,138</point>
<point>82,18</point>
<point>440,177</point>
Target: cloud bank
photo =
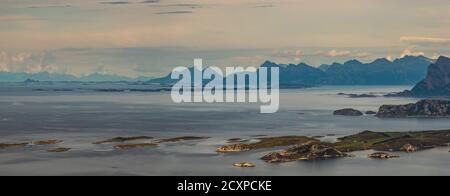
<point>408,52</point>
<point>418,40</point>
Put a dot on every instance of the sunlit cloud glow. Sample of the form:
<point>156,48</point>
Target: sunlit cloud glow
<point>417,40</point>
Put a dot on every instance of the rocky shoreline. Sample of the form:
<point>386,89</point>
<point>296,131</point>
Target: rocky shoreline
<point>423,108</point>
<point>312,149</point>
<point>298,148</point>
<point>348,112</point>
<point>267,142</point>
<point>427,108</point>
<point>118,143</point>
<point>305,152</point>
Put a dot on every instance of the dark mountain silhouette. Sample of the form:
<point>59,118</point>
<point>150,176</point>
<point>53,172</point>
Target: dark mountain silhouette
<point>407,70</point>
<point>324,67</point>
<point>437,81</point>
<point>296,74</point>
<point>404,71</point>
<point>167,80</point>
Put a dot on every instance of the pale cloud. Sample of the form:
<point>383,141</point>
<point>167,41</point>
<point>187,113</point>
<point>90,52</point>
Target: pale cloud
<point>34,69</point>
<point>38,68</point>
<point>417,40</point>
<point>409,52</point>
<point>335,53</point>
<point>435,56</point>
<point>347,53</point>
<point>4,62</point>
<point>390,58</point>
<point>155,62</point>
<point>298,55</point>
<point>286,56</point>
<point>3,67</point>
<point>20,58</point>
<point>26,62</point>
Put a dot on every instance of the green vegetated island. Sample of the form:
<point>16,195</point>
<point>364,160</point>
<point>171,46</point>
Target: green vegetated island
<point>306,148</point>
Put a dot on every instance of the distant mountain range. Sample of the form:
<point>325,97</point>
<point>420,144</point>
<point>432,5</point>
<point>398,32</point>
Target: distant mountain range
<point>408,70</point>
<point>45,76</point>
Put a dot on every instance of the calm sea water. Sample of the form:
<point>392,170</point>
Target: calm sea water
<point>79,115</point>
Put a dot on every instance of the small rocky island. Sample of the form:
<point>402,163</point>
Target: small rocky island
<point>269,142</point>
<point>394,141</point>
<point>382,155</point>
<point>424,108</point>
<point>348,112</point>
<point>305,152</point>
<point>371,112</point>
<point>118,143</point>
<point>351,95</point>
<point>121,142</point>
<point>244,164</point>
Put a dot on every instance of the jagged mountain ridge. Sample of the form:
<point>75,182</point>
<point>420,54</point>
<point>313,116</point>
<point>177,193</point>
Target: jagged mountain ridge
<point>437,81</point>
<point>404,71</point>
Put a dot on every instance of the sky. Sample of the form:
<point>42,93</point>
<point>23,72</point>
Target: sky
<point>150,37</point>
